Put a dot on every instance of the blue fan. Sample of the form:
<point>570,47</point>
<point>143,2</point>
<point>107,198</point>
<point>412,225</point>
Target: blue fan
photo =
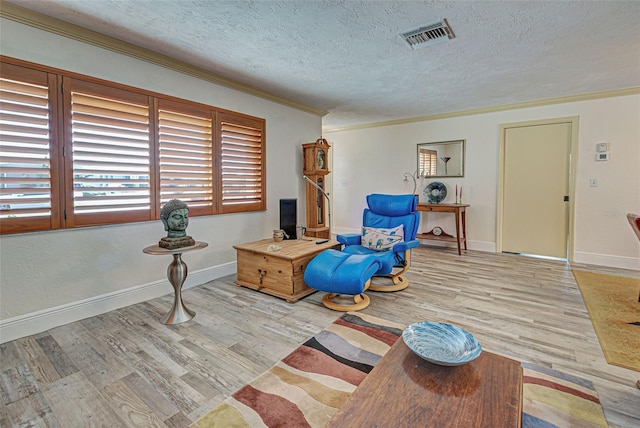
<point>435,192</point>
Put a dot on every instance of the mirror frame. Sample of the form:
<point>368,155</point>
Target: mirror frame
<point>434,143</point>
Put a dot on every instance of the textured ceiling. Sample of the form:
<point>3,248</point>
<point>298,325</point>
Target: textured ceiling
<point>345,57</point>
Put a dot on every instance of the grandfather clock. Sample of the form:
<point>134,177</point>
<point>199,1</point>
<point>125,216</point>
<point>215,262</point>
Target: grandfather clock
<point>316,168</point>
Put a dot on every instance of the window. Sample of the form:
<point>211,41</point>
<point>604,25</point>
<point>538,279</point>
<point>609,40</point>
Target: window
<point>28,171</point>
<point>427,162</point>
<point>110,146</point>
<point>102,153</point>
<point>186,156</point>
<point>242,164</point>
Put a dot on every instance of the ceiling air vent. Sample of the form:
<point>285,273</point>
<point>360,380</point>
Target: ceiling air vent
<point>428,35</point>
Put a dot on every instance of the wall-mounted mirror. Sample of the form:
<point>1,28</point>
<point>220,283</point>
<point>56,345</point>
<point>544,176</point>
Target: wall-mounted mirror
<point>441,159</point>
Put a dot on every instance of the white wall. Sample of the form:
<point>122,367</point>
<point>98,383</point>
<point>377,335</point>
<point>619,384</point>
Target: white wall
<point>48,278</point>
<point>373,160</point>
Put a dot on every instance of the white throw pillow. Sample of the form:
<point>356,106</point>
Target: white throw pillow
<point>379,239</point>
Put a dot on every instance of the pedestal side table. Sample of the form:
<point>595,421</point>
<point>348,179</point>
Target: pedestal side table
<point>177,274</point>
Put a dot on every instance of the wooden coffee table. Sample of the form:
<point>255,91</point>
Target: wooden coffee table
<point>403,390</point>
<point>279,273</point>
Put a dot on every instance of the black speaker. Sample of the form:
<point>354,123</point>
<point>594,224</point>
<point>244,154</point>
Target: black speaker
<point>288,216</point>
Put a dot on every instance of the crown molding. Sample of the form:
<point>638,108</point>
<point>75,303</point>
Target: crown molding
<point>71,31</point>
<point>528,104</point>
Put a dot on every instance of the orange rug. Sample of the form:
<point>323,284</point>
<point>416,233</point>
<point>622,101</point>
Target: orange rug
<point>612,302</point>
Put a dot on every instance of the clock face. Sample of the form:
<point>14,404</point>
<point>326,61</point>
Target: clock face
<point>437,231</point>
<point>320,160</point>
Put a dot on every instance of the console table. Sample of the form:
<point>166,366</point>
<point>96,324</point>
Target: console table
<point>177,274</point>
<point>461,223</point>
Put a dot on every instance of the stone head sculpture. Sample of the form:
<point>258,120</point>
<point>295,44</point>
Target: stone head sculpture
<point>175,218</point>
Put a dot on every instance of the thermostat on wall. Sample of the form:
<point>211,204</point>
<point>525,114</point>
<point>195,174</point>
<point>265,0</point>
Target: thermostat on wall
<point>602,156</point>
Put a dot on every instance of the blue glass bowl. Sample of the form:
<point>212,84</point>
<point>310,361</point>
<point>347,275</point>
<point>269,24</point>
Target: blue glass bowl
<point>441,343</point>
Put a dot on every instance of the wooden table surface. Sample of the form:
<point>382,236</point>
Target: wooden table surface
<point>290,248</point>
<point>403,390</point>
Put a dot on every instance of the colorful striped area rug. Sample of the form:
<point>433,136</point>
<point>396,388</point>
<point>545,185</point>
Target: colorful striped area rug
<point>554,399</point>
<point>307,387</point>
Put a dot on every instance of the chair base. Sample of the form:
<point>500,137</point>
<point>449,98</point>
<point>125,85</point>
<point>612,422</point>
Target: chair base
<point>398,283</point>
<point>331,301</point>
<point>344,277</point>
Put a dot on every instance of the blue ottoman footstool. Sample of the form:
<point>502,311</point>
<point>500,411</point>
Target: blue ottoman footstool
<point>337,274</point>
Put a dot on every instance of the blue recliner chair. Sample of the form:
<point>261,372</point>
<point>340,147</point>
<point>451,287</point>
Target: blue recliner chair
<point>381,236</point>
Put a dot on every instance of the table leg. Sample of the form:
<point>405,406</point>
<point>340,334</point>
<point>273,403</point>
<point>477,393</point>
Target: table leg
<point>458,231</point>
<point>464,228</point>
<point>177,273</point>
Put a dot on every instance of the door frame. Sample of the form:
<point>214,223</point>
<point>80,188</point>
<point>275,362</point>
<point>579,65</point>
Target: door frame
<point>573,164</point>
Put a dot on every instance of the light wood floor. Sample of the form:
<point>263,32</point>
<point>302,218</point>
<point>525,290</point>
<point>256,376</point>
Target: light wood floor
<point>126,369</point>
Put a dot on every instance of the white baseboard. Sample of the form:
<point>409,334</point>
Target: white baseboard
<point>487,247</point>
<point>607,260</point>
<point>490,247</point>
<point>37,322</point>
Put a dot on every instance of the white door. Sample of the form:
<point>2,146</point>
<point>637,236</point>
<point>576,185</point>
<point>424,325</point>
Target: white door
<point>535,185</point>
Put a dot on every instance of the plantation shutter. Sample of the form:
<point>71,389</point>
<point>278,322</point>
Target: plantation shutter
<point>242,157</point>
<point>77,151</point>
<point>111,155</point>
<point>428,162</point>
<point>26,172</point>
<point>186,156</point>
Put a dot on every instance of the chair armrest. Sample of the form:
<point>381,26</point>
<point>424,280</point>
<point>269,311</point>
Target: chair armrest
<point>349,239</point>
<point>405,245</point>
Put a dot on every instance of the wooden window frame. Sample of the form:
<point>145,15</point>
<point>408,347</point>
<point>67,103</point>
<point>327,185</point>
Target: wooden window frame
<point>61,83</point>
<point>173,107</point>
<point>38,77</point>
<point>249,123</point>
<point>73,219</point>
